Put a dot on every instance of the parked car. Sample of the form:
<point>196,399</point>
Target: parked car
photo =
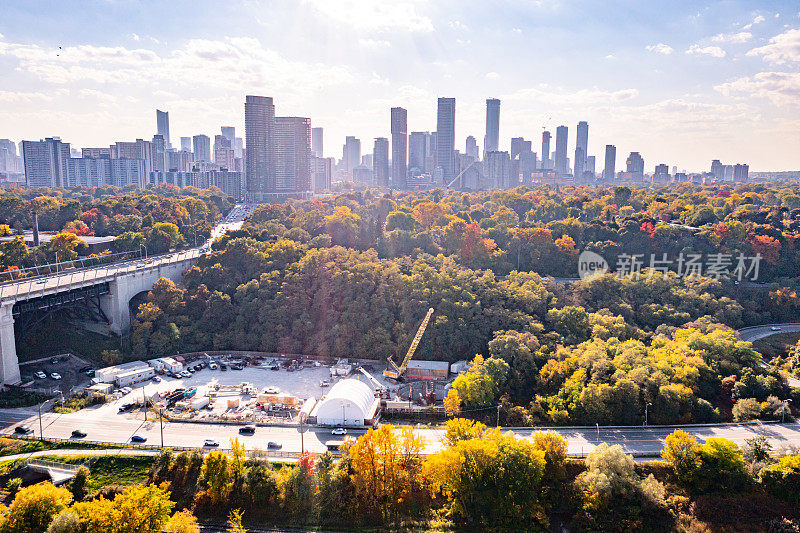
<point>186,374</point>
<point>775,328</point>
<point>138,438</point>
<point>40,375</point>
<point>125,407</point>
<point>156,379</point>
<point>272,390</point>
<point>212,365</point>
<point>23,430</point>
<point>54,360</point>
<point>211,443</point>
<point>247,430</point>
<point>237,366</point>
<point>223,367</point>
<point>85,369</point>
<point>198,367</point>
<point>78,434</point>
<point>274,445</point>
<point>55,375</point>
<point>339,431</point>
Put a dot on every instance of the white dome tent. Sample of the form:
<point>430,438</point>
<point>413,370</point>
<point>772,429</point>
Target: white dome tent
<point>349,403</point>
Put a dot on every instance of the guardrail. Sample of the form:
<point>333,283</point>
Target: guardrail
<point>53,464</point>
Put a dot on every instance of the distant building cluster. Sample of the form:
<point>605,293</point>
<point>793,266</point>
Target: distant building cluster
<point>282,157</point>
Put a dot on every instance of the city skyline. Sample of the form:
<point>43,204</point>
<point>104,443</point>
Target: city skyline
<point>684,83</point>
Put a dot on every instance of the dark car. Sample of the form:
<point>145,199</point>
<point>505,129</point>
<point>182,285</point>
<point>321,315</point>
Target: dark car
<point>125,407</point>
<point>23,430</point>
<point>85,369</point>
<point>198,367</point>
<point>138,438</point>
<point>223,366</point>
<point>237,366</point>
<point>274,445</point>
<point>247,430</point>
<point>78,434</point>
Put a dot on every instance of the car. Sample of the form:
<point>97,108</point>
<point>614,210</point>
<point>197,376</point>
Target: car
<point>223,367</point>
<point>237,366</point>
<point>85,369</point>
<point>176,375</point>
<point>78,434</point>
<point>339,431</point>
<point>274,445</point>
<point>198,367</point>
<point>272,390</point>
<point>324,383</point>
<point>211,443</point>
<point>156,379</point>
<point>23,430</point>
<point>40,375</point>
<point>775,328</point>
<point>247,430</point>
<point>125,407</point>
<point>90,373</point>
<point>55,375</point>
<point>54,360</point>
<point>186,374</point>
<point>138,438</point>
<point>190,370</point>
<point>213,366</point>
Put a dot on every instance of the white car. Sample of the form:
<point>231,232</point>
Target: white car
<point>186,374</point>
<point>775,328</point>
<point>272,390</point>
<point>338,431</point>
<point>211,443</point>
<point>40,375</point>
<point>212,366</point>
<point>55,375</point>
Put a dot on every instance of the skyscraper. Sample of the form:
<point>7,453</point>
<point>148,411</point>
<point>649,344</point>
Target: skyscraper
<point>380,161</point>
<point>186,144</point>
<point>661,174</point>
<point>229,132</point>
<point>471,149</point>
<point>316,141</point>
<point>492,139</point>
<point>581,148</point>
<point>634,166</point>
<point>741,172</point>
<point>546,150</point>
<point>162,126</point>
<point>224,155</point>
<point>418,151</point>
<point>446,138</point>
<point>718,169</point>
<point>498,170</point>
<point>46,162</point>
<point>351,154</point>
<point>399,128</point>
<point>202,148</point>
<point>609,171</point>
<point>561,150</point>
<point>159,153</point>
<point>259,119</point>
<point>292,154</point>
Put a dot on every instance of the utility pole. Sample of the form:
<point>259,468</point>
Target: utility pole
<point>41,437</point>
<point>302,447</point>
<point>598,432</point>
<point>498,416</point>
<point>144,403</point>
<point>161,421</point>
<point>646,405</point>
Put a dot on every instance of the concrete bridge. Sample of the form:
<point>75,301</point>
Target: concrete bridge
<point>111,286</point>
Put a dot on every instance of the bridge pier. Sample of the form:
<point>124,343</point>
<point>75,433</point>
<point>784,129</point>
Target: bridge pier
<point>115,306</point>
<point>9,365</point>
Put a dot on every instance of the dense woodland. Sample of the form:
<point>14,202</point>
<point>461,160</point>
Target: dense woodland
<point>482,480</point>
<point>352,275</point>
<point>159,219</point>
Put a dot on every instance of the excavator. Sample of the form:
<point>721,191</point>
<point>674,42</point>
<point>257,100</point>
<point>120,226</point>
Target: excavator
<point>396,372</point>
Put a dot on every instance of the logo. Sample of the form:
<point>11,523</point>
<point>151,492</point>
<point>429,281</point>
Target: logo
<point>590,263</point>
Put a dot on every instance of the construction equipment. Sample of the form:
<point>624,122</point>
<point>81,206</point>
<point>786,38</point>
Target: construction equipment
<point>460,174</point>
<point>380,388</point>
<point>398,371</point>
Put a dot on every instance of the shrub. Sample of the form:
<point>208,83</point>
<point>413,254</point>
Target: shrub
<point>783,478</point>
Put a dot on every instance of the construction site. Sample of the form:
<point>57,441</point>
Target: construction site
<point>258,389</point>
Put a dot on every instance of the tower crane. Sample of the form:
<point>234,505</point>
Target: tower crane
<point>398,371</point>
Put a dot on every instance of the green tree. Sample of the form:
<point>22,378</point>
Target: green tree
<point>34,507</point>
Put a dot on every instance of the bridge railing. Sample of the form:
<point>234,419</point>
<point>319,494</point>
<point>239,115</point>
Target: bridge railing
<point>38,286</point>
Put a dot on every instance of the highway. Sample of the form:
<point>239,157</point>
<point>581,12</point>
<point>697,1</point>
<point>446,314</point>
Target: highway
<point>639,441</point>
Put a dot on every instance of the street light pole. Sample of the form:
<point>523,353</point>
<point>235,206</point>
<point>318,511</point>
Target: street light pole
<point>161,421</point>
<point>302,447</point>
<point>41,437</point>
<point>598,432</point>
<point>646,405</point>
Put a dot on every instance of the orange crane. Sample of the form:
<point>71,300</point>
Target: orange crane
<point>398,371</point>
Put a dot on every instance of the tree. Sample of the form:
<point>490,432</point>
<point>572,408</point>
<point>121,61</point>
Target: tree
<point>216,476</point>
<point>235,522</point>
<point>182,522</point>
<point>79,483</point>
<point>34,507</point>
<point>66,521</point>
<point>459,429</point>
<point>67,246</point>
<point>783,478</point>
<point>682,451</point>
<point>554,447</point>
<point>136,509</point>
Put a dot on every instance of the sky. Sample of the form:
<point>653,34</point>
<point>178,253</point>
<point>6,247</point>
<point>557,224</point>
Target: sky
<point>681,82</point>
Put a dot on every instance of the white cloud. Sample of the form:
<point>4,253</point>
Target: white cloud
<point>660,48</point>
<point>740,37</point>
<point>21,97</point>
<point>98,97</point>
<point>376,16</point>
<point>457,25</point>
<point>134,36</point>
<point>783,48</point>
<point>492,75</point>
<point>610,56</point>
<point>713,51</point>
<point>516,30</point>
<point>781,88</point>
<point>758,20</point>
<point>374,43</point>
<point>545,94</point>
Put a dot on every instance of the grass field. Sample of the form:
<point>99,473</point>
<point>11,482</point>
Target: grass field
<point>11,446</point>
<point>111,469</point>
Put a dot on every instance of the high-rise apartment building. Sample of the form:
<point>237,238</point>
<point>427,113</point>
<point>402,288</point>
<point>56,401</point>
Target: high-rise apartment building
<point>316,141</point>
<point>321,172</point>
<point>292,154</point>
<point>661,174</point>
<point>46,162</point>
<point>139,149</point>
<point>399,129</point>
<point>498,170</point>
<point>718,169</point>
<point>741,172</point>
<point>491,142</point>
<point>590,166</point>
<point>351,155</point>
<point>609,171</point>
<point>224,154</point>
<point>259,121</point>
<point>162,126</point>
<point>446,138</point>
<point>96,153</point>
<point>471,148</point>
<point>560,158</point>
<point>186,144</point>
<point>380,161</point>
<point>581,149</point>
<point>546,164</point>
<point>634,166</point>
<point>418,152</point>
<point>159,153</point>
<point>202,148</point>
<point>229,132</point>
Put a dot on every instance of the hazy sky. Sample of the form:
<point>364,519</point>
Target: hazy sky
<point>682,82</point>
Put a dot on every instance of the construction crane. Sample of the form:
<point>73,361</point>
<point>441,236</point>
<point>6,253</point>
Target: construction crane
<point>380,388</point>
<point>460,174</point>
<point>398,371</point>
